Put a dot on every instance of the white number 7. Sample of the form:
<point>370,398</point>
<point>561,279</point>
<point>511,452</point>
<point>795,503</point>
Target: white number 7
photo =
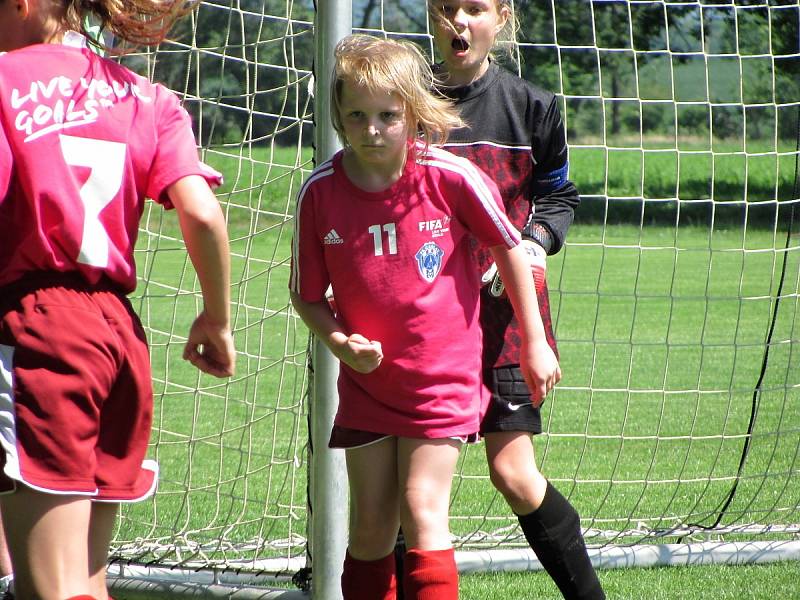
<point>106,161</point>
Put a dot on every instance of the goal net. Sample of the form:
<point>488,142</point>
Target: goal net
<point>675,298</point>
<point>232,453</point>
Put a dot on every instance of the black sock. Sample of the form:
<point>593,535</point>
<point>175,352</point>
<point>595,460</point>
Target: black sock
<point>554,533</point>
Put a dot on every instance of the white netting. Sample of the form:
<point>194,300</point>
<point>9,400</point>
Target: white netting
<point>675,299</point>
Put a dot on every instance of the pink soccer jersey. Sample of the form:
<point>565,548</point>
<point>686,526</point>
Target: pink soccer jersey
<point>402,273</point>
<point>83,142</point>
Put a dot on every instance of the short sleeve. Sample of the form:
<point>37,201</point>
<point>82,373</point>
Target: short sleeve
<point>309,277</point>
<point>6,164</point>
<point>176,155</point>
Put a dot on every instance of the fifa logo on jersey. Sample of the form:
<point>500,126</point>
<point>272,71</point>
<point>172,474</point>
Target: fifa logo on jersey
<point>429,261</point>
<point>437,227</point>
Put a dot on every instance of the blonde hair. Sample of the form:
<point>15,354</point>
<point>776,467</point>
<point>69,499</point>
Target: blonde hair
<point>505,42</point>
<point>398,67</point>
<point>138,22</point>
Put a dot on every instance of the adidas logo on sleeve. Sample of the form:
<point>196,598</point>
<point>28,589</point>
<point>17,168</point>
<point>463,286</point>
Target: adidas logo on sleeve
<point>333,238</point>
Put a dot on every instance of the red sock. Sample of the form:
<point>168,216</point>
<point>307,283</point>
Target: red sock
<point>82,597</point>
<point>431,575</point>
<point>369,579</point>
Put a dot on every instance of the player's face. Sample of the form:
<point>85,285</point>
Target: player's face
<point>464,32</point>
<point>376,127</point>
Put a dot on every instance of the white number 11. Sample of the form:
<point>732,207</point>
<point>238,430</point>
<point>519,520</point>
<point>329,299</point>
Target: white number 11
<point>391,232</point>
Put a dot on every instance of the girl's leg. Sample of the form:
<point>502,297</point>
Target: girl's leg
<point>551,525</point>
<point>101,529</point>
<point>5,558</point>
<point>426,470</point>
<point>374,519</point>
<point>513,471</point>
<point>46,536</point>
<point>369,572</point>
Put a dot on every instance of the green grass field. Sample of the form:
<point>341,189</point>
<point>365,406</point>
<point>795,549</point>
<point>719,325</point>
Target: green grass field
<point>751,582</point>
<point>661,331</point>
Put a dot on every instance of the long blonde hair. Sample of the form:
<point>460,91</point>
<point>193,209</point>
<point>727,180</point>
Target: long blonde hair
<point>398,67</point>
<point>138,22</point>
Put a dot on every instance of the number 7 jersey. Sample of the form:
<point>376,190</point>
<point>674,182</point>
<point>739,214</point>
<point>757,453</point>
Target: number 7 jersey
<point>83,142</point>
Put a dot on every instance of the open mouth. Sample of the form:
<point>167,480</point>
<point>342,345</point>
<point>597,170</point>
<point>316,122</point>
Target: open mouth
<point>459,44</point>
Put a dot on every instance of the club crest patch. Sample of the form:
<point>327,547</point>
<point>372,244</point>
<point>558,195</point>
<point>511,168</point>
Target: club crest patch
<point>429,261</point>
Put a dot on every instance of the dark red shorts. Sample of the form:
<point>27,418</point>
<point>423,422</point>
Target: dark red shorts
<point>76,398</point>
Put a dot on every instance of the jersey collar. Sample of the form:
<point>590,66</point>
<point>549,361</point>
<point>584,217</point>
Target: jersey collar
<point>470,90</point>
<point>73,39</point>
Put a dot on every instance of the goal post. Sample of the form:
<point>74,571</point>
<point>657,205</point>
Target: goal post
<point>329,493</point>
<point>676,299</point>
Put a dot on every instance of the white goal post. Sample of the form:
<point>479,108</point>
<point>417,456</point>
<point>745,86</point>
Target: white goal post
<point>676,298</point>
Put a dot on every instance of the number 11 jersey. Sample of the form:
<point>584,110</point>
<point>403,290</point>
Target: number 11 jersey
<point>402,273</point>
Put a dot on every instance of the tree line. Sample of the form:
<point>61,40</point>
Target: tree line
<point>622,68</point>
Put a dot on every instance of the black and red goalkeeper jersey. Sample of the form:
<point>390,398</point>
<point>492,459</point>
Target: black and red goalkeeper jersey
<point>515,134</point>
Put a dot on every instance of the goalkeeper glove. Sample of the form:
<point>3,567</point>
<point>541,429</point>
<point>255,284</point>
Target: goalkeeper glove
<point>536,258</point>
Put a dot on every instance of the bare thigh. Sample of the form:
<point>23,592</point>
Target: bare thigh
<point>374,515</point>
<point>425,469</point>
<point>47,537</point>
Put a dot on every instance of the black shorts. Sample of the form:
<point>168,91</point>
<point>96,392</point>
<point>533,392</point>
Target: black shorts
<point>510,407</point>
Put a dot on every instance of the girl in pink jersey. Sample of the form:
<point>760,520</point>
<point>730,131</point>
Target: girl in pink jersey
<point>386,223</point>
<point>516,128</point>
<point>83,142</point>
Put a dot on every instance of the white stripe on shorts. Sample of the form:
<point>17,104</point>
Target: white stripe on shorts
<point>8,424</point>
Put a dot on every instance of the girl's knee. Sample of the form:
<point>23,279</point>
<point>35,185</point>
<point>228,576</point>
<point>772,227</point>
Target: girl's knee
<point>425,523</point>
<point>372,537</point>
<point>520,487</point>
<point>425,506</point>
